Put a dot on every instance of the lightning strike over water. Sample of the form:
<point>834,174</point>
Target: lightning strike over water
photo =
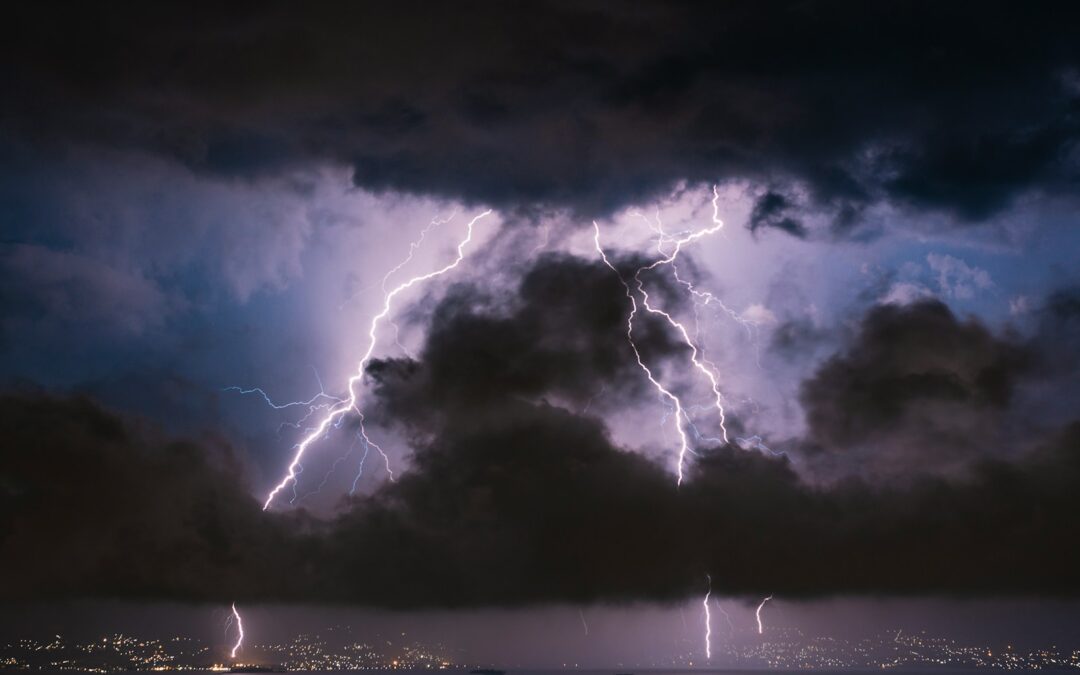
<point>760,625</point>
<point>708,619</point>
<point>240,632</point>
<point>351,403</point>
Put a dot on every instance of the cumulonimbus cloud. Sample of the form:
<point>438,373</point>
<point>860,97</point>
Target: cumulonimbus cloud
<point>512,499</point>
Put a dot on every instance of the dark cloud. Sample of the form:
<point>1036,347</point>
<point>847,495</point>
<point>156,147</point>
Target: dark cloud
<point>589,106</point>
<point>523,504</point>
<point>770,211</point>
<point>917,388</point>
<point>517,500</point>
<point>44,285</point>
<point>516,493</point>
<point>975,175</point>
<point>91,504</point>
<point>561,333</point>
<point>533,506</point>
<point>794,339</point>
<point>1058,331</point>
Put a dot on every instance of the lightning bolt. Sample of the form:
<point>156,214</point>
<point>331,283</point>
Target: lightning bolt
<point>336,464</point>
<point>413,248</point>
<point>360,470</point>
<point>757,443</point>
<point>542,244</point>
<point>727,618</point>
<point>702,365</point>
<point>336,412</point>
<point>319,401</point>
<point>684,443</point>
<point>322,395</point>
<point>708,619</point>
<point>240,631</point>
<point>702,298</point>
<point>761,626</point>
<point>669,247</point>
<point>588,404</point>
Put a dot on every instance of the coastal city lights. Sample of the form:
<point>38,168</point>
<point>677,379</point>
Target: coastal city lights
<point>779,649</point>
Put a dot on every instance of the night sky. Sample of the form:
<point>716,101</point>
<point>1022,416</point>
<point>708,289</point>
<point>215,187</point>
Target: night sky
<point>201,205</point>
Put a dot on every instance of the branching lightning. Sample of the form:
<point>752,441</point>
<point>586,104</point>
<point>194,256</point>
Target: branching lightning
<point>757,443</point>
<point>760,625</point>
<point>669,246</point>
<point>338,410</point>
<point>684,442</point>
<point>320,401</point>
<point>360,469</point>
<point>239,630</point>
<point>413,248</point>
<point>702,365</point>
<point>322,395</point>
<point>336,464</point>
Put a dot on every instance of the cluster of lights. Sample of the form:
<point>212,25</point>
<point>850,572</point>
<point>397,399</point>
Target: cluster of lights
<point>786,649</point>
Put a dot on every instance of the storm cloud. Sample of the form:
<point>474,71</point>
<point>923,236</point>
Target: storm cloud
<point>917,389</point>
<point>516,494</point>
<point>196,197</point>
<point>541,508</point>
<point>958,109</point>
<point>562,332</point>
